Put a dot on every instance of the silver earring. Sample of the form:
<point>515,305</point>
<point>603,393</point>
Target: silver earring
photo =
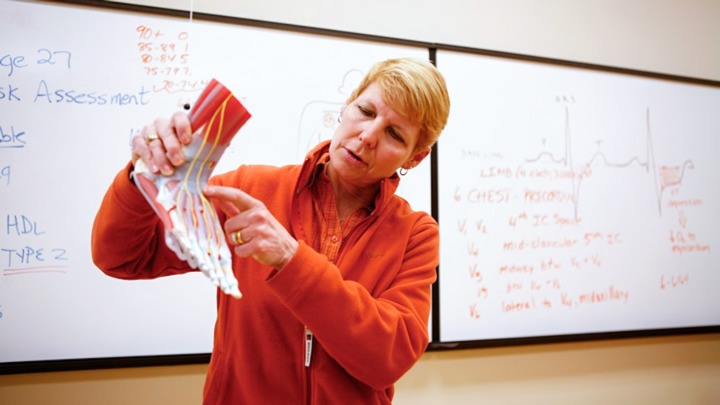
<point>403,171</point>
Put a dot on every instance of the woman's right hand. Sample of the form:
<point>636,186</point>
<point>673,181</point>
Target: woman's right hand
<point>159,145</point>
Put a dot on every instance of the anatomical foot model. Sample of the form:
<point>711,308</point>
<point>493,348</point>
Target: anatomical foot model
<point>192,228</point>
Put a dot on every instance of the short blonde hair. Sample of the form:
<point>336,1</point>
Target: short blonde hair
<point>415,89</point>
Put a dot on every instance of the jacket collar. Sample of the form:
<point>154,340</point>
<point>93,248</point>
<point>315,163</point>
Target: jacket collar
<point>308,172</point>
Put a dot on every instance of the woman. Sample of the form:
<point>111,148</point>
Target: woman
<point>335,269</point>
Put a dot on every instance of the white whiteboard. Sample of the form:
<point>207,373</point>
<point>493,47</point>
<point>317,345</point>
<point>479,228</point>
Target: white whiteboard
<point>575,201</point>
<point>75,84</point>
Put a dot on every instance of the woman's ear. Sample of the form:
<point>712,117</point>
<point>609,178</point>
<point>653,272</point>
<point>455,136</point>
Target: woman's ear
<point>416,158</point>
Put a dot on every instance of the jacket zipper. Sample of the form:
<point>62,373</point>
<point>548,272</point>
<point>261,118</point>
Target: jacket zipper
<point>308,346</point>
<point>308,357</point>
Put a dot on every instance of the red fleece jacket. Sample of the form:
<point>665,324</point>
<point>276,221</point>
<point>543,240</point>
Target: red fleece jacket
<point>368,311</point>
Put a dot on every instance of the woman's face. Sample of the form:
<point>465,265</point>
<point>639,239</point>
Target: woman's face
<point>372,141</point>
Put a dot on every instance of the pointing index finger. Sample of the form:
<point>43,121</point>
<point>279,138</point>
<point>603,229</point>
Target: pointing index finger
<point>231,200</point>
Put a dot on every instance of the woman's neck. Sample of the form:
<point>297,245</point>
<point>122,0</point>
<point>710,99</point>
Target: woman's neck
<point>348,197</point>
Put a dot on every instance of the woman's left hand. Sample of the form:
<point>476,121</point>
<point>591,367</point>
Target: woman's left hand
<point>253,230</point>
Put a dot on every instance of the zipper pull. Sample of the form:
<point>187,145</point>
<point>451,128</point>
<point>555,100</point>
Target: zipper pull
<point>308,346</point>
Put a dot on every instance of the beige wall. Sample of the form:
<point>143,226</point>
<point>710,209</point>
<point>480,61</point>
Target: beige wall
<point>680,37</point>
<point>662,370</point>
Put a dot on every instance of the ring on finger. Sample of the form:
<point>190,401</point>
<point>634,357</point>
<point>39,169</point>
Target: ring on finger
<point>150,138</point>
<point>237,238</point>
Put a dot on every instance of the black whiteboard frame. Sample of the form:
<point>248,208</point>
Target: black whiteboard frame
<point>435,344</point>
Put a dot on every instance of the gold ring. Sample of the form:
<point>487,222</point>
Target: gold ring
<point>150,138</point>
<point>237,238</point>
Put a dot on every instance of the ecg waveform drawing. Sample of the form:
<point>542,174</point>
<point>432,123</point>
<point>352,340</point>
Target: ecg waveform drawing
<point>665,177</point>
